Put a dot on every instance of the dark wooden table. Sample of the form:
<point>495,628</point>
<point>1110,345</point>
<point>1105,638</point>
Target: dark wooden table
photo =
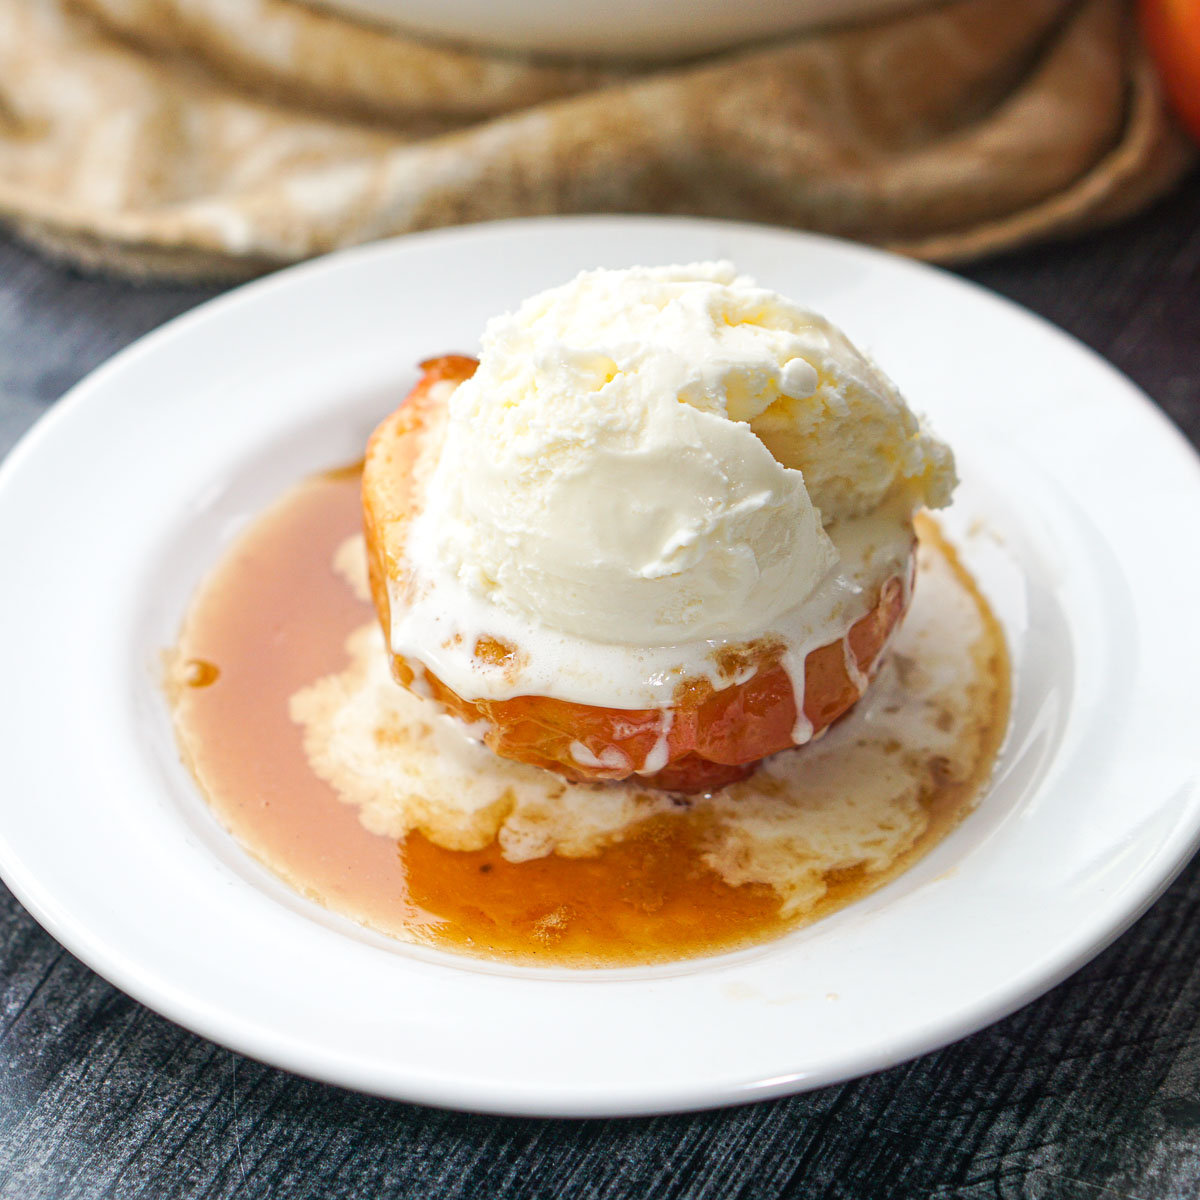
<point>1092,1091</point>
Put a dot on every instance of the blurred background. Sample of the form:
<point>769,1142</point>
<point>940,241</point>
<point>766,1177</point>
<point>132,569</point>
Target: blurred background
<point>202,139</point>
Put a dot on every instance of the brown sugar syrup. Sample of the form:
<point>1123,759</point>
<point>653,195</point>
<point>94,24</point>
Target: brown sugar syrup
<point>275,615</point>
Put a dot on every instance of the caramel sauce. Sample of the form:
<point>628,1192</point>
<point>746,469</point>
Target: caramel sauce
<point>274,616</point>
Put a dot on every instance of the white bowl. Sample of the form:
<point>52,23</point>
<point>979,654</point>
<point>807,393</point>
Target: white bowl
<point>611,28</point>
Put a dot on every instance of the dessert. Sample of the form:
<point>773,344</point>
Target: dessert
<point>663,528</point>
<point>619,625</point>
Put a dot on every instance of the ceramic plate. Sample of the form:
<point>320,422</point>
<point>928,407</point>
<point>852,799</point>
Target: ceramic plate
<point>1076,513</point>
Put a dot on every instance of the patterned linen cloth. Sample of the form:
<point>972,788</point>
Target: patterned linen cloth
<point>219,138</point>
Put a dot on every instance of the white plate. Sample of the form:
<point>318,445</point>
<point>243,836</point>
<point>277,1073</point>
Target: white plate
<point>1077,512</point>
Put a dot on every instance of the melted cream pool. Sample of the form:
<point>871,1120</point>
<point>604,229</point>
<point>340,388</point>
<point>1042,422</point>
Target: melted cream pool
<point>365,799</point>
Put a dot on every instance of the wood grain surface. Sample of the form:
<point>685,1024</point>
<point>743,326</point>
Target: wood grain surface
<point>1092,1091</point>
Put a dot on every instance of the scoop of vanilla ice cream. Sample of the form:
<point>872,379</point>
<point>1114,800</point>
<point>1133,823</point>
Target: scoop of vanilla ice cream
<point>649,456</point>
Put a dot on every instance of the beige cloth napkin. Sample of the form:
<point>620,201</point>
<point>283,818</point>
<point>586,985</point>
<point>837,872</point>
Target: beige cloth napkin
<point>217,138</point>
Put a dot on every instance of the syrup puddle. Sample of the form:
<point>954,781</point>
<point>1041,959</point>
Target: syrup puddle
<point>367,800</point>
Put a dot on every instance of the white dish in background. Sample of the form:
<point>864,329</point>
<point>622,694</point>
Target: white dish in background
<point>607,29</point>
<point>1076,512</point>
